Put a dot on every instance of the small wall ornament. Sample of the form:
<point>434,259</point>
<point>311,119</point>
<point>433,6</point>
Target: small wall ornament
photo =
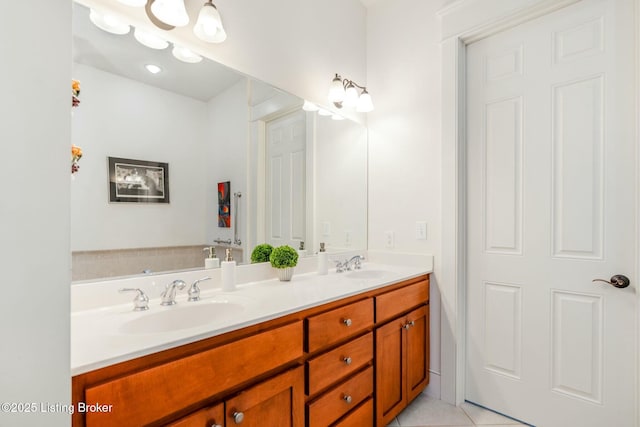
<point>76,152</point>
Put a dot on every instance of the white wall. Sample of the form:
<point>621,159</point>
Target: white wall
<point>119,117</point>
<point>35,82</point>
<point>403,73</point>
<point>226,156</point>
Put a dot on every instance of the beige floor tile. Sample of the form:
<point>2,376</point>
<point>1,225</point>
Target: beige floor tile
<point>393,423</point>
<point>484,417</point>
<point>429,412</point>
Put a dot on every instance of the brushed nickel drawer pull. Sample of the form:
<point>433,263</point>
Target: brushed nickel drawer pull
<point>238,417</point>
<point>347,322</point>
<point>347,360</point>
<point>347,398</point>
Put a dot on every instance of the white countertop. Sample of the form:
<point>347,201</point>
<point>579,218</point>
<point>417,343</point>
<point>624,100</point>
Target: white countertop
<point>99,335</point>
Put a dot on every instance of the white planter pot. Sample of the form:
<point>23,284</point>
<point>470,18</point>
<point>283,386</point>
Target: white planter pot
<point>285,274</point>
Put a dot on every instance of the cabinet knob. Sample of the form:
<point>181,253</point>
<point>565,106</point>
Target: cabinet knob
<point>347,398</point>
<point>409,324</point>
<point>238,417</point>
<point>215,425</point>
<point>347,322</point>
<point>347,361</point>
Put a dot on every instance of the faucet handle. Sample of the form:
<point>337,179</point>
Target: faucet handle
<point>194,290</point>
<point>141,301</point>
<point>340,266</point>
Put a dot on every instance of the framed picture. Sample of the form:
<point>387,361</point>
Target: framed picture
<point>138,181</point>
<point>224,205</point>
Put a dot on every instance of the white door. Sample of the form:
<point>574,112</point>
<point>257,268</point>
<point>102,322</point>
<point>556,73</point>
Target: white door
<point>551,190</point>
<point>286,180</point>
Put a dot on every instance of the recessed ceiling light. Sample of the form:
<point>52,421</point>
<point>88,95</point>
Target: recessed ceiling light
<point>186,55</point>
<point>153,69</point>
<point>309,106</point>
<point>108,23</point>
<point>150,40</point>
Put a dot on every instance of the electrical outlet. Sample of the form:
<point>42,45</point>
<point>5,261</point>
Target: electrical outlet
<point>421,230</point>
<point>389,239</point>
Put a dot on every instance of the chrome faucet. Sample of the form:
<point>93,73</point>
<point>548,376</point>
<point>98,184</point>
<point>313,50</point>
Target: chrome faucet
<point>141,301</point>
<point>342,266</point>
<point>355,261</point>
<point>169,294</point>
<point>194,290</point>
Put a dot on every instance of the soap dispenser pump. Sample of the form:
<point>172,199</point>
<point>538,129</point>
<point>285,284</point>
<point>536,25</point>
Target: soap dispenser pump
<point>212,260</point>
<point>228,273</point>
<point>323,260</point>
<point>302,252</point>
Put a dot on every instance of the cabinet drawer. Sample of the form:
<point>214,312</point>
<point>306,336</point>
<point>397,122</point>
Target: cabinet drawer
<point>395,302</point>
<point>192,379</point>
<point>335,325</point>
<point>341,399</point>
<point>363,416</point>
<point>330,367</point>
<point>207,417</point>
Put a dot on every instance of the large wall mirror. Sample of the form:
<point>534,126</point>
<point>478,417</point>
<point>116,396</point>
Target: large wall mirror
<point>297,176</point>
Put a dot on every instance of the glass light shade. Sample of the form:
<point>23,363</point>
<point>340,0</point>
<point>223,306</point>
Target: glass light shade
<point>324,112</point>
<point>150,40</point>
<point>336,90</point>
<point>309,106</point>
<point>351,96</point>
<point>365,104</point>
<point>108,23</point>
<point>134,3</point>
<point>208,27</point>
<point>186,55</point>
<point>171,12</point>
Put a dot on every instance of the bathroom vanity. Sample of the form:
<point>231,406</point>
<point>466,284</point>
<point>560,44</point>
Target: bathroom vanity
<point>356,360</point>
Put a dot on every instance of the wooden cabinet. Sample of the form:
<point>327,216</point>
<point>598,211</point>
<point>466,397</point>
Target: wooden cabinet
<point>353,362</point>
<point>402,350</point>
<point>278,402</point>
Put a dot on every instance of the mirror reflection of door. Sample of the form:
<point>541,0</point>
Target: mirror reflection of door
<point>285,171</point>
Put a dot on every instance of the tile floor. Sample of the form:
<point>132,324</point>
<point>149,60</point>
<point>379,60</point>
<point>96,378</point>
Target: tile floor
<point>427,411</point>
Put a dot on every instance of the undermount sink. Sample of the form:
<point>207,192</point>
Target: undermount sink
<point>185,316</point>
<point>366,274</point>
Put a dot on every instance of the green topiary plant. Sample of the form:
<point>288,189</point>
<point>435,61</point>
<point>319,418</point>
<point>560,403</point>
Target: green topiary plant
<point>283,257</point>
<point>261,253</point>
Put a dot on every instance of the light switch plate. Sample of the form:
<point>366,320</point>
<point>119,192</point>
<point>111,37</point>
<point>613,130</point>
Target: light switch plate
<point>389,239</point>
<point>326,229</point>
<point>421,230</point>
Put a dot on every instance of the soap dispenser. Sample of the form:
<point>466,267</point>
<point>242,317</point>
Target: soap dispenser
<point>323,260</point>
<point>211,261</point>
<point>228,273</point>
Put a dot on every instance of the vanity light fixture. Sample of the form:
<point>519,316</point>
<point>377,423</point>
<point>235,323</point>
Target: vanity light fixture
<point>185,55</point>
<point>108,23</point>
<point>150,40</point>
<point>171,12</point>
<point>344,93</point>
<point>152,68</point>
<point>209,27</point>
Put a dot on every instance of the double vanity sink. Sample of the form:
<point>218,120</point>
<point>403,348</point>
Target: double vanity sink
<point>110,332</point>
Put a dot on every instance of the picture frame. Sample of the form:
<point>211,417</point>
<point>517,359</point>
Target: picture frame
<point>138,181</point>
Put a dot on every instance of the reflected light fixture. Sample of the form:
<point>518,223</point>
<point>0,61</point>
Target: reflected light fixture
<point>344,93</point>
<point>150,40</point>
<point>324,112</point>
<point>133,3</point>
<point>208,27</point>
<point>152,68</point>
<point>185,55</point>
<point>108,23</point>
<point>309,106</point>
<point>171,12</point>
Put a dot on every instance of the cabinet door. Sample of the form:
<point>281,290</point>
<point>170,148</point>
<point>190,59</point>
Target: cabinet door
<point>390,390</point>
<point>417,351</point>
<point>277,402</point>
<point>208,417</point>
